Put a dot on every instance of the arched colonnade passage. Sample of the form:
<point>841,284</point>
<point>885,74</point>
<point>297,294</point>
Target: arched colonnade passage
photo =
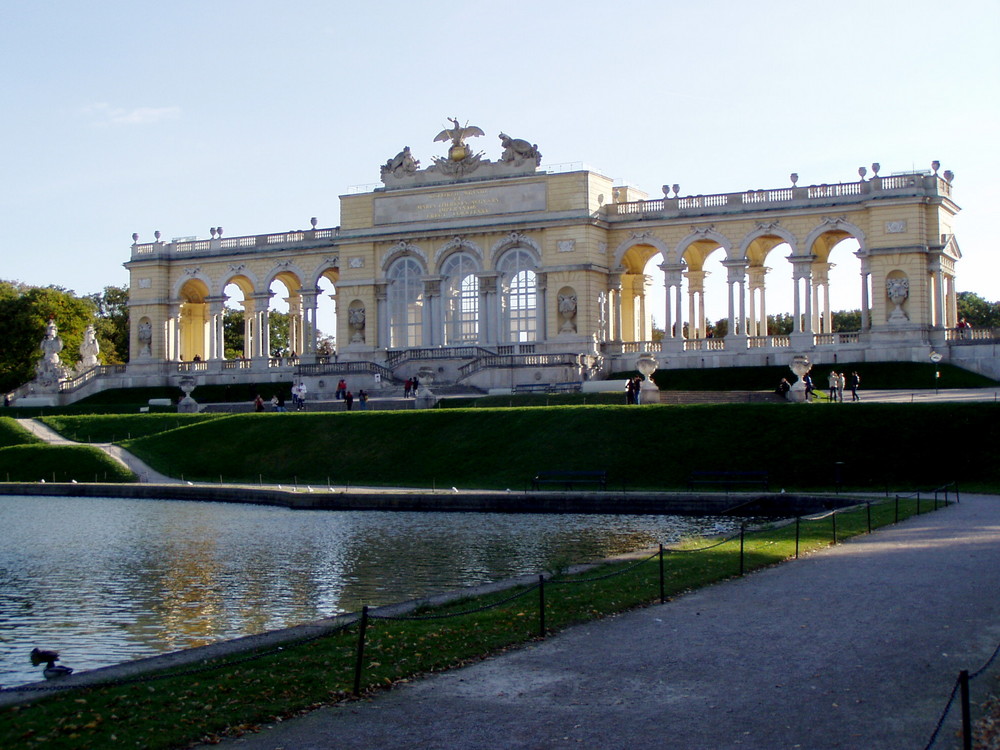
<point>767,258</point>
<point>194,326</point>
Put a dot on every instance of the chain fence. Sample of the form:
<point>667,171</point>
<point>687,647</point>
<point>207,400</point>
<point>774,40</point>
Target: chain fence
<point>365,617</point>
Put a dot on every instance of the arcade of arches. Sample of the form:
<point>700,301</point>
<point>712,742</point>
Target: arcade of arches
<point>553,266</point>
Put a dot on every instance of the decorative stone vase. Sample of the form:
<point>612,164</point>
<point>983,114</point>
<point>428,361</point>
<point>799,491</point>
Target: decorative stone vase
<point>424,397</point>
<point>898,290</point>
<point>187,405</point>
<point>649,393</point>
<point>801,366</point>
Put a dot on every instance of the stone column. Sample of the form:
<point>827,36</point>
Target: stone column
<point>173,337</point>
<point>431,332</point>
<point>309,301</point>
<point>937,314</point>
<point>639,294</point>
<point>802,277</point>
<point>381,316</point>
<point>615,290</point>
<point>260,348</point>
<point>542,307</point>
<point>217,338</point>
<point>673,315</point>
<point>952,302</point>
<point>865,302</point>
<point>696,304</point>
<point>736,274</point>
<point>758,291</point>
<point>295,338</point>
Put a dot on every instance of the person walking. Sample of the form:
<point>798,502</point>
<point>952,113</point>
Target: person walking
<point>855,384</point>
<point>258,403</point>
<point>363,399</point>
<point>348,400</point>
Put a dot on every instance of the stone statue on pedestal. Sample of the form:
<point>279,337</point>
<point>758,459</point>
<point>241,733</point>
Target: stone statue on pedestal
<point>89,349</point>
<point>50,370</point>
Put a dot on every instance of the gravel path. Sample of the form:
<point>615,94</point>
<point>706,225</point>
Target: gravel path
<point>856,646</point>
<point>144,471</point>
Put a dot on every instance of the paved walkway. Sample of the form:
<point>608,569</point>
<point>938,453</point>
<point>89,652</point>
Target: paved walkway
<point>855,646</point>
<point>144,471</point>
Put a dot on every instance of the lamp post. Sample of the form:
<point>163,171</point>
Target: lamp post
<point>936,358</point>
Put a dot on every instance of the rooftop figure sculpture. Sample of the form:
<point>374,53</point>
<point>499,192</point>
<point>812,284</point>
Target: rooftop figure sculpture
<point>457,135</point>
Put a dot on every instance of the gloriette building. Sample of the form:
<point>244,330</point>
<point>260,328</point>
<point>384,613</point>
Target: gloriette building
<point>486,269</point>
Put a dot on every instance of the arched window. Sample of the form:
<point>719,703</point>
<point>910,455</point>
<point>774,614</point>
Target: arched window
<point>406,303</point>
<point>520,295</point>
<point>461,299</point>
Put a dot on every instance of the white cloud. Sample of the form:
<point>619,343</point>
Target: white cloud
<point>103,114</point>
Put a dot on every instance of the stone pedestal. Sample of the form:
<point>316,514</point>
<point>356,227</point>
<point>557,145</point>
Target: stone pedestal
<point>188,405</point>
<point>425,398</point>
<point>801,366</point>
<point>649,393</point>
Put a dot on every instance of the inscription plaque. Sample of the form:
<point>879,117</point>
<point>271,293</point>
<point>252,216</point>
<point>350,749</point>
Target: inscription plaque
<point>460,204</point>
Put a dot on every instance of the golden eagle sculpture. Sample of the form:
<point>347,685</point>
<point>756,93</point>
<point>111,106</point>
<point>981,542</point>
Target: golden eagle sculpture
<point>457,135</point>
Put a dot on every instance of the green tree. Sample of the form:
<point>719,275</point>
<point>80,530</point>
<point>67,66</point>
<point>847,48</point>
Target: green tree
<point>846,320</point>
<point>25,312</point>
<point>233,332</point>
<point>977,311</point>
<point>780,324</point>
<point>278,324</point>
<point>112,324</point>
<point>232,323</point>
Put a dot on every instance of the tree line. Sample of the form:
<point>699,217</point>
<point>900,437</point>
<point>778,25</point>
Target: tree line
<point>26,311</point>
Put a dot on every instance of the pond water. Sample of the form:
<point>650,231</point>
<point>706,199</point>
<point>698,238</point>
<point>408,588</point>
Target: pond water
<point>106,580</point>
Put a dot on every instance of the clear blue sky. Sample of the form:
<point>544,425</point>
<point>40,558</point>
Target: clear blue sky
<point>124,117</point>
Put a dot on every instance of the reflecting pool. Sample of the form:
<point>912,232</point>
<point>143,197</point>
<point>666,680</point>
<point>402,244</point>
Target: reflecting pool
<point>109,580</point>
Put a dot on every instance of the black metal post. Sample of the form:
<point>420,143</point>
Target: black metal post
<point>541,606</point>
<point>897,509</point>
<point>963,681</point>
<point>918,503</point>
<point>833,516</point>
<point>361,650</point>
<point>663,596</point>
<point>798,520</point>
<point>743,528</point>
<point>868,510</point>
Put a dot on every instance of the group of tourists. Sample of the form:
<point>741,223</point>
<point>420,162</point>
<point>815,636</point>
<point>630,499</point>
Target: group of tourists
<point>410,387</point>
<point>633,390</point>
<point>837,381</point>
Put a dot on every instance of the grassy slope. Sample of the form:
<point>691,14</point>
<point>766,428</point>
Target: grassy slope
<point>11,433</point>
<point>60,463</point>
<point>651,447</point>
<point>109,428</point>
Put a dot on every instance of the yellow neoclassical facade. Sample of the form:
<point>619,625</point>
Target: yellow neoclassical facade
<point>499,272</point>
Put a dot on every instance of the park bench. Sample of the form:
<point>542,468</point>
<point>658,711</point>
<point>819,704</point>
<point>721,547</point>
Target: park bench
<point>569,479</point>
<point>729,479</point>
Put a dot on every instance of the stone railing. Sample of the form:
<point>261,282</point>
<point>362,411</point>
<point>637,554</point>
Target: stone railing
<point>395,356</point>
<point>230,245</point>
<point>68,386</point>
<point>968,334</point>
<point>843,192</point>
<point>506,361</point>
